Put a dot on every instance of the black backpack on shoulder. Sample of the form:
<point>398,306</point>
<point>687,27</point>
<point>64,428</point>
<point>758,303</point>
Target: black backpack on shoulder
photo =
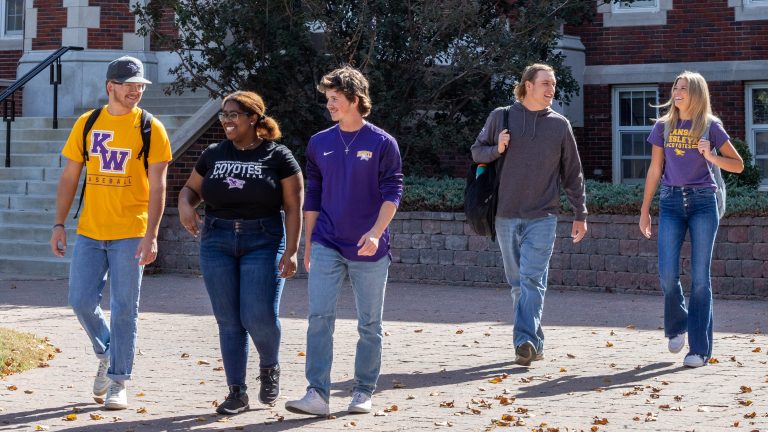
<point>481,194</point>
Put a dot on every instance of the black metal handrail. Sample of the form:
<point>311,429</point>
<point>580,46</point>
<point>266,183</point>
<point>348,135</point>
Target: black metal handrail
<point>8,99</point>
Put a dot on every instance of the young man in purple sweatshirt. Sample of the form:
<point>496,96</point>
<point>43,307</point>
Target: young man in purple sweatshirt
<point>541,157</point>
<point>354,185</point>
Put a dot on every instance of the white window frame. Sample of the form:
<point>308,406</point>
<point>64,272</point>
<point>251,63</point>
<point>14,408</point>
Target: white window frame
<point>749,10</point>
<point>629,8</point>
<point>751,128</point>
<point>3,22</point>
<point>617,129</point>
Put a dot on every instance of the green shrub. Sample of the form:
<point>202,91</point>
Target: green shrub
<point>447,194</point>
<point>750,177</point>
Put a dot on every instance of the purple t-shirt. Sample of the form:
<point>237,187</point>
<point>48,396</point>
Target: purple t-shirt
<point>348,188</point>
<point>683,164</point>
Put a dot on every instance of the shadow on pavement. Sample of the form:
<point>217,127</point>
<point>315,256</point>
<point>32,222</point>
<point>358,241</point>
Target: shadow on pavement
<point>581,384</point>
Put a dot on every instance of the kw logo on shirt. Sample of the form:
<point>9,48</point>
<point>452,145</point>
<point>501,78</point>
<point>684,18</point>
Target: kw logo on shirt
<point>679,140</point>
<point>111,160</point>
<point>364,155</point>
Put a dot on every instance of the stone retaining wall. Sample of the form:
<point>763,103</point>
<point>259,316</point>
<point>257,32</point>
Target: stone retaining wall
<point>438,247</point>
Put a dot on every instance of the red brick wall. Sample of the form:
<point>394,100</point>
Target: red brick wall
<point>703,30</point>
<point>51,19</point>
<point>179,171</point>
<point>166,27</point>
<point>9,60</point>
<point>116,19</point>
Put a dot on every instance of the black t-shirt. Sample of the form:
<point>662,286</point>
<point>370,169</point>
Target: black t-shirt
<point>246,184</point>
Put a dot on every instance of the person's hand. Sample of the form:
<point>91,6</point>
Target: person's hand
<point>368,243</point>
<point>503,141</point>
<point>189,219</point>
<point>578,230</point>
<point>146,252</point>
<point>59,241</point>
<point>645,224</point>
<point>307,253</point>
<point>288,265</point>
<point>705,148</point>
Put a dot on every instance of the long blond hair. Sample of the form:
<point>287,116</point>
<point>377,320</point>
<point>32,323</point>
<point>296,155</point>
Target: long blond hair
<point>700,107</point>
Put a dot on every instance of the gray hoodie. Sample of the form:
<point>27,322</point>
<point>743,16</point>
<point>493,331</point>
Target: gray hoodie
<point>541,155</point>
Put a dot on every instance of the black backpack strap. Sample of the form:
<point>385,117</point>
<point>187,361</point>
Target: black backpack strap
<point>146,137</point>
<point>86,131</point>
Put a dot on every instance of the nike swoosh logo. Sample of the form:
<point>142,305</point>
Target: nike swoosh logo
<point>327,153</point>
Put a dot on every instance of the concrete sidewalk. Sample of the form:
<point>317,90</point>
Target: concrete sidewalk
<point>606,360</point>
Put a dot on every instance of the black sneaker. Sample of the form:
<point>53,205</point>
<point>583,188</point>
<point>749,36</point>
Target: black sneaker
<point>236,402</point>
<point>270,384</point>
<point>525,354</point>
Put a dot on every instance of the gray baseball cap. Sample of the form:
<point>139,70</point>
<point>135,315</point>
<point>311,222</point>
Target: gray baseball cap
<point>126,69</point>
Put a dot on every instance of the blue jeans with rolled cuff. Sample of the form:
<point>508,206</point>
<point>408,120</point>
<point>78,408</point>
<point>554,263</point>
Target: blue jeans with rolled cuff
<point>93,263</point>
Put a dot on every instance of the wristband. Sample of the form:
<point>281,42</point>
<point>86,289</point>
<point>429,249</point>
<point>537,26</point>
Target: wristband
<point>59,225</point>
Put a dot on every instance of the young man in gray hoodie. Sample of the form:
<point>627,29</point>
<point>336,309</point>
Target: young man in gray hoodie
<point>542,156</point>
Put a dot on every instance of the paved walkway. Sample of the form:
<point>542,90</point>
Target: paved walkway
<point>606,360</point>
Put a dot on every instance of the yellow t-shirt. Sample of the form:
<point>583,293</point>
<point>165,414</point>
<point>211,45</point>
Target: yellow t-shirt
<point>117,194</point>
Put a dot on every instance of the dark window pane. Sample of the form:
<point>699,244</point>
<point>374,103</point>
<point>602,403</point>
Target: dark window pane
<point>760,106</point>
<point>625,108</point>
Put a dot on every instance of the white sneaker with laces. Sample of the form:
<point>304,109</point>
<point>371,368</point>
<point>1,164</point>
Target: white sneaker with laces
<point>360,404</point>
<point>117,396</point>
<point>694,361</point>
<point>676,343</point>
<point>312,404</point>
<point>101,382</point>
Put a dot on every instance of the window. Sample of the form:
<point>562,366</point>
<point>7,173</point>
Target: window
<point>636,6</point>
<point>13,18</point>
<point>633,119</point>
<point>757,127</point>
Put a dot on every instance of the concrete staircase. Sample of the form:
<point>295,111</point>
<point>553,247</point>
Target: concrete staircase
<point>28,188</point>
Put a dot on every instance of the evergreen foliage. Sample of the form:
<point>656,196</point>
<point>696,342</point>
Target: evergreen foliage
<point>436,68</point>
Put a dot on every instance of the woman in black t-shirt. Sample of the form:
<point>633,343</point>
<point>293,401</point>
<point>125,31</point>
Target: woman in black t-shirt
<point>246,250</point>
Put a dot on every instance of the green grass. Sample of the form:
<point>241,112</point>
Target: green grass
<point>23,351</point>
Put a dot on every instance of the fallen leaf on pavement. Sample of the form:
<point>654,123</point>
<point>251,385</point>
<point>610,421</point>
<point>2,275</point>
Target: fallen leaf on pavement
<point>745,402</point>
<point>141,410</point>
<point>757,350</point>
<point>714,360</point>
<point>203,362</point>
<point>12,388</point>
<point>41,427</point>
<point>570,356</point>
<point>446,404</point>
<point>418,330</point>
<point>184,355</point>
<point>600,421</point>
<point>393,408</point>
<point>410,397</point>
<point>745,389</point>
<point>459,331</point>
<point>379,414</point>
<point>301,354</point>
<point>96,417</point>
<point>609,344</point>
<point>70,417</point>
<point>750,415</point>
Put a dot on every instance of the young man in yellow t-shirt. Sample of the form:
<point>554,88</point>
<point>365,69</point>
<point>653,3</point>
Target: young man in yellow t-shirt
<point>117,231</point>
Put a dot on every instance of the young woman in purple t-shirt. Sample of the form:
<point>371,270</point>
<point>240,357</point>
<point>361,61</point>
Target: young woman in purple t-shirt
<point>683,159</point>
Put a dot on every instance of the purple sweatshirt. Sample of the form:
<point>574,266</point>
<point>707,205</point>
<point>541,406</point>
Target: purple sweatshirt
<point>349,187</point>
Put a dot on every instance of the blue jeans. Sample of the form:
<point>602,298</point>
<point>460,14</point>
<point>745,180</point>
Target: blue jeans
<point>693,210</point>
<point>526,247</point>
<point>239,259</point>
<point>328,271</point>
<point>92,260</point>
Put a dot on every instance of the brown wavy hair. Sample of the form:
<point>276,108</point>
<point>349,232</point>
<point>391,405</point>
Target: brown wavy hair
<point>251,103</point>
<point>350,82</point>
<point>529,75</point>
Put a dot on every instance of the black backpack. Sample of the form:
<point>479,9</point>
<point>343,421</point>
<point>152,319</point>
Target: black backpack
<point>481,194</point>
<point>146,136</point>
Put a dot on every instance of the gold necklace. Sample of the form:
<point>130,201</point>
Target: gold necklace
<point>246,147</point>
<point>346,146</point>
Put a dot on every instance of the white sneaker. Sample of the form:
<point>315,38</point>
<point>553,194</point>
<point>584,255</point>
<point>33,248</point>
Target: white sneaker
<point>676,343</point>
<point>101,382</point>
<point>694,361</point>
<point>312,403</point>
<point>117,396</point>
<point>360,404</point>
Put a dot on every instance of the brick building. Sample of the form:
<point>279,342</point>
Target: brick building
<point>625,60</point>
<point>632,53</point>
